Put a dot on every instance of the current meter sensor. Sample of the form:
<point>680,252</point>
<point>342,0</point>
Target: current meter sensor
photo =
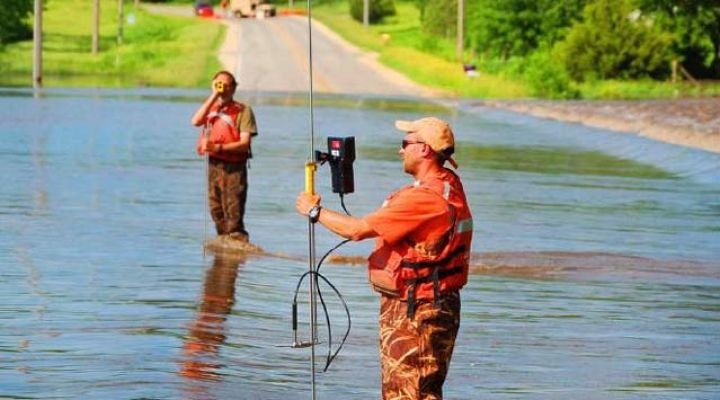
<point>340,155</point>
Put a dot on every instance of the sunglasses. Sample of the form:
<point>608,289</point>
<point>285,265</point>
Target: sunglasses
<point>406,143</point>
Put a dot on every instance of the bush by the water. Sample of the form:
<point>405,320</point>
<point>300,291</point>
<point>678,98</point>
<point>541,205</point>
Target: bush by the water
<point>378,9</point>
<point>615,41</point>
<point>547,78</point>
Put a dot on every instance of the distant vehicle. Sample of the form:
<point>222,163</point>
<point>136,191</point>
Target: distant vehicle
<point>204,9</point>
<point>252,9</point>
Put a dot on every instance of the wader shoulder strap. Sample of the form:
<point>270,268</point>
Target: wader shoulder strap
<point>434,277</point>
<point>223,117</point>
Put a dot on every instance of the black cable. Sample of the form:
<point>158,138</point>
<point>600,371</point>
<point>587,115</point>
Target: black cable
<point>342,299</point>
<point>342,203</point>
<point>331,356</point>
<point>347,332</point>
<point>330,251</point>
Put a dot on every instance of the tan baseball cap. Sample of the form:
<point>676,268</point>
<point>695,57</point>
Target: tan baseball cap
<point>435,132</point>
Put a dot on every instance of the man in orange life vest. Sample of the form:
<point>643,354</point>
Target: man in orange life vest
<point>423,234</point>
<point>228,129</point>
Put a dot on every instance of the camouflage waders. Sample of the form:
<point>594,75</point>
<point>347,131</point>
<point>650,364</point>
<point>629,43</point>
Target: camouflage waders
<point>227,194</point>
<point>415,353</point>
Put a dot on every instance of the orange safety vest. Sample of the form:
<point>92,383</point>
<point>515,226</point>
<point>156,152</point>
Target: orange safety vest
<point>221,128</point>
<point>399,270</point>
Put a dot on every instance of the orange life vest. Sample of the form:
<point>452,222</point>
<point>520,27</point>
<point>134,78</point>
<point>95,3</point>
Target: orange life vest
<point>221,128</point>
<point>400,270</point>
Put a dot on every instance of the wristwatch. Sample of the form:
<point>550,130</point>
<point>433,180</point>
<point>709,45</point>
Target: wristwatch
<point>314,213</point>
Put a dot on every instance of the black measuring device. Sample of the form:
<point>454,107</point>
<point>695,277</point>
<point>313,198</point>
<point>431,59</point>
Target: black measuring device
<point>340,155</point>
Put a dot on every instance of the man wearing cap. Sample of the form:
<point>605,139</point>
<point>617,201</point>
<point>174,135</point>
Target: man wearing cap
<point>228,129</point>
<point>423,235</point>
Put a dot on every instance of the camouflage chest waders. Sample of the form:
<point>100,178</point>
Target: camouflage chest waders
<point>415,353</point>
<point>227,195</point>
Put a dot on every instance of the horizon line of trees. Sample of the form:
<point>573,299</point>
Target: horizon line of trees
<point>14,23</point>
<point>552,43</point>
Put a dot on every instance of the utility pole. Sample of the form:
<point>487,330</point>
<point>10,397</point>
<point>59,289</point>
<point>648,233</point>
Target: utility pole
<point>120,21</point>
<point>366,13</point>
<point>37,46</point>
<point>96,27</point>
<point>460,30</point>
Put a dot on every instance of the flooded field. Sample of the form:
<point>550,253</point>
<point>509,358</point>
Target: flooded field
<point>596,274</point>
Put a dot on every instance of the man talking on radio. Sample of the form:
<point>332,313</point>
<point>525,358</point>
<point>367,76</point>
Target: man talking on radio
<point>423,235</point>
<point>228,127</point>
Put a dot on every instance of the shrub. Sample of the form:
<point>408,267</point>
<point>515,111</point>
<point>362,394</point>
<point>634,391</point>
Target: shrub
<point>13,25</point>
<point>546,77</point>
<point>440,18</point>
<point>615,42</point>
<point>378,10</point>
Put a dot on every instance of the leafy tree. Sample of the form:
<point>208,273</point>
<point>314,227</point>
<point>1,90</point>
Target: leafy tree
<point>615,41</point>
<point>439,17</point>
<point>547,78</point>
<point>695,25</point>
<point>378,9</point>
<point>517,27</point>
<point>13,20</point>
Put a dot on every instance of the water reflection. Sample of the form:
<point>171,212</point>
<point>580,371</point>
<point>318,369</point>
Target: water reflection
<point>206,333</point>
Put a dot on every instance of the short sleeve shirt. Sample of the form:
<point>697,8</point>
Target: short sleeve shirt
<point>412,213</point>
<point>246,121</point>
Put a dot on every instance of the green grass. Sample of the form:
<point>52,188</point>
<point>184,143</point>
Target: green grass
<point>640,90</point>
<point>156,50</point>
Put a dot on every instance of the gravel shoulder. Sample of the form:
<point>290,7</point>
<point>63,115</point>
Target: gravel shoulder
<point>692,122</point>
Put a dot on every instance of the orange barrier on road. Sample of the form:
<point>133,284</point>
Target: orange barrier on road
<point>292,11</point>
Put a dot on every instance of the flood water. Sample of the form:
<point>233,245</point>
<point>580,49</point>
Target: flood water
<point>105,292</point>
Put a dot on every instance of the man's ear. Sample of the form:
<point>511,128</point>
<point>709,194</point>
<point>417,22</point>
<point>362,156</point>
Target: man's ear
<point>427,151</point>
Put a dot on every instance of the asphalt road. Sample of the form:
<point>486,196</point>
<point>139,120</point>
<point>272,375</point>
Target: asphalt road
<point>273,55</point>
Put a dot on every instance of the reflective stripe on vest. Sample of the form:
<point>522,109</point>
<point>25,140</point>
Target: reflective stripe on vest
<point>224,117</point>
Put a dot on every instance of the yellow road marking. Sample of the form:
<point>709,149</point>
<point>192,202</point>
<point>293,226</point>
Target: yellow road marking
<point>298,52</point>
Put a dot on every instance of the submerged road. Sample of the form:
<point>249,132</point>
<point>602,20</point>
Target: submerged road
<point>273,55</point>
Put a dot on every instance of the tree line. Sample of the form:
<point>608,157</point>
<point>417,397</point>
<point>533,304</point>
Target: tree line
<point>554,42</point>
<point>14,23</point>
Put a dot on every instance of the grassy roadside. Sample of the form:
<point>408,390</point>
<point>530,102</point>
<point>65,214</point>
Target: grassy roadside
<point>156,50</point>
<point>418,57</point>
<point>430,61</point>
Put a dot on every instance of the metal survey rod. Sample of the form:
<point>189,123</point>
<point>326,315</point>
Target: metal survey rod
<point>310,168</point>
